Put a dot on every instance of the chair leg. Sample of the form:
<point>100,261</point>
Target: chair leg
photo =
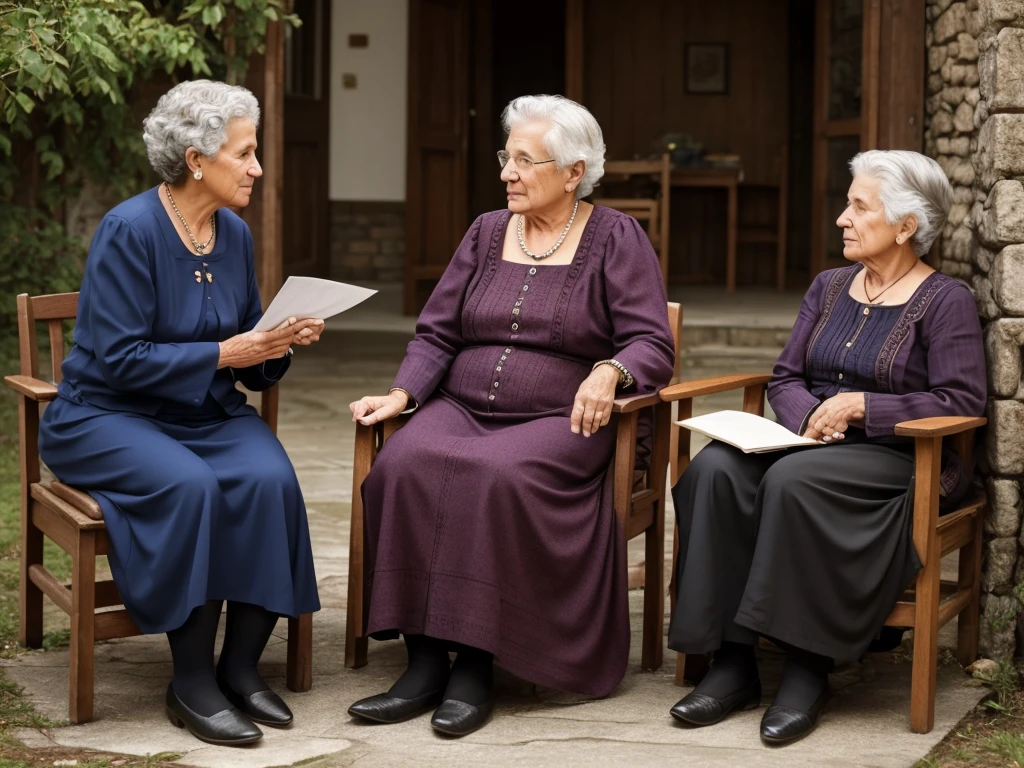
<point>926,644</point>
<point>690,667</point>
<point>30,631</point>
<point>969,576</point>
<point>300,653</point>
<point>83,626</point>
<point>654,598</point>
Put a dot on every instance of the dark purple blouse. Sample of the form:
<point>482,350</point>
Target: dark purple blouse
<point>915,360</point>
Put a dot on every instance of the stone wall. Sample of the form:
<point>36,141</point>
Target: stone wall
<point>975,129</point>
<point>367,241</point>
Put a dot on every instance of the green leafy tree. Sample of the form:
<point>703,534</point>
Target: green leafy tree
<point>70,74</point>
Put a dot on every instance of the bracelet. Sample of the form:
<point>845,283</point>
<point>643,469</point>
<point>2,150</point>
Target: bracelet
<point>399,389</point>
<point>625,377</point>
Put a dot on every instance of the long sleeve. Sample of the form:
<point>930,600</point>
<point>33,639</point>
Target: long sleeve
<point>120,317</point>
<point>951,333</point>
<point>641,336</point>
<point>788,392</point>
<point>262,375</point>
<point>439,328</point>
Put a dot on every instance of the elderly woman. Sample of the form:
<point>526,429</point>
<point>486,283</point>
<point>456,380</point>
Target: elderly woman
<point>811,548</point>
<point>489,518</point>
<point>199,498</point>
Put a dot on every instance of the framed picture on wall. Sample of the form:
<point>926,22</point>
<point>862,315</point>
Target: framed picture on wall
<point>707,68</point>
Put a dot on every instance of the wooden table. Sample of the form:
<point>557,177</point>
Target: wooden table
<point>729,180</point>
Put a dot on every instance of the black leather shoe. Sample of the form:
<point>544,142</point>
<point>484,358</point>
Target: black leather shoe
<point>264,707</point>
<point>384,708</point>
<point>457,718</point>
<point>699,709</point>
<point>227,728</point>
<point>782,725</point>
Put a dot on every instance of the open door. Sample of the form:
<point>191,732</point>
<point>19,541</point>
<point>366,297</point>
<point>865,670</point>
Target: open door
<point>305,205</point>
<point>438,141</point>
<point>846,100</point>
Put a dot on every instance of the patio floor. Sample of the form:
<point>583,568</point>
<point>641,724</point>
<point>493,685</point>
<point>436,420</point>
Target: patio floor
<point>866,725</point>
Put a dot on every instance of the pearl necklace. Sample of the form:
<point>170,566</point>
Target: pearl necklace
<point>200,247</point>
<point>539,256</point>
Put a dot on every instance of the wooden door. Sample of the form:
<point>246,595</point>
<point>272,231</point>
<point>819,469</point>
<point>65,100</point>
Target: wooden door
<point>305,205</point>
<point>845,113</point>
<point>437,162</point>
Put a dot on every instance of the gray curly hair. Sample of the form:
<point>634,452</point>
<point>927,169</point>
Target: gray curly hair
<point>909,184</point>
<point>574,135</point>
<point>194,113</point>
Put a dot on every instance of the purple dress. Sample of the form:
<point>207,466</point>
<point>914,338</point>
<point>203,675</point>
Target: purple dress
<point>812,547</point>
<point>488,522</point>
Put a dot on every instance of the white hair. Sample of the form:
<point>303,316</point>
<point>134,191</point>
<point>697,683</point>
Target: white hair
<point>909,183</point>
<point>574,134</point>
<point>196,114</point>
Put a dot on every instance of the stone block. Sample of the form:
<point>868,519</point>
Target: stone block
<point>981,287</point>
<point>1003,341</point>
<point>963,194</point>
<point>942,123</point>
<point>1001,147</point>
<point>996,14</point>
<point>957,213</point>
<point>968,47</point>
<point>1003,220</point>
<point>388,261</point>
<point>961,147</point>
<point>390,275</point>
<point>971,77</point>
<point>998,621</point>
<point>1000,562</point>
<point>387,233</point>
<point>954,97</point>
<point>973,96</point>
<point>935,83</point>
<point>936,57</point>
<point>392,246</point>
<point>1006,87</point>
<point>951,23</point>
<point>942,147</point>
<point>1004,447</point>
<point>1005,507</point>
<point>963,118</point>
<point>959,246</point>
<point>1008,280</point>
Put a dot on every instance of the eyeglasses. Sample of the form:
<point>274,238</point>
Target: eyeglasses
<point>523,163</point>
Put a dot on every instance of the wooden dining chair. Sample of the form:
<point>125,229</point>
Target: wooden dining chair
<point>639,500</point>
<point>930,602</point>
<point>653,212</point>
<point>73,520</point>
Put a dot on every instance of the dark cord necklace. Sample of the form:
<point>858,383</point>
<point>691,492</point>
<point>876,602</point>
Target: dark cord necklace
<point>872,300</point>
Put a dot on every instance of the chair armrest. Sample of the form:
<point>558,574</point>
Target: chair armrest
<point>939,426</point>
<point>635,403</point>
<point>34,389</point>
<point>699,387</point>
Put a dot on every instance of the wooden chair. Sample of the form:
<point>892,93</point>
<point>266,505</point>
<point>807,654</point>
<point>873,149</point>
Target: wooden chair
<point>639,507</point>
<point>930,602</point>
<point>73,520</point>
<point>776,235</point>
<point>651,211</point>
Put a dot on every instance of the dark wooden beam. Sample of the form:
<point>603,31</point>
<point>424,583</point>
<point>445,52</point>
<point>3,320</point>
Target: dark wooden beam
<point>903,75</point>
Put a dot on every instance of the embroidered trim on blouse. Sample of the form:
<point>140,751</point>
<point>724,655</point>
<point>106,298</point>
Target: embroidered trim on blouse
<point>841,278</point>
<point>476,292</point>
<point>914,311</point>
<point>578,262</point>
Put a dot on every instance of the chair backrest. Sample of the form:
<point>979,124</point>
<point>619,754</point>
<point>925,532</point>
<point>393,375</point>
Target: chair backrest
<point>675,321</point>
<point>57,308</point>
<point>655,212</point>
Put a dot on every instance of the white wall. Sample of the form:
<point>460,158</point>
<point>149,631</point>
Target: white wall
<point>367,148</point>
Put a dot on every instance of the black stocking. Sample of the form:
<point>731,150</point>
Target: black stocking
<point>192,653</point>
<point>246,633</point>
<point>733,668</point>
<point>803,680</point>
<point>472,676</point>
<point>428,668</point>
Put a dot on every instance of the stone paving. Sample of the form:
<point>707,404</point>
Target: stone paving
<point>866,725</point>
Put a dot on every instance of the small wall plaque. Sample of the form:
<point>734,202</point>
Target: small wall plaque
<point>358,41</point>
<point>348,81</point>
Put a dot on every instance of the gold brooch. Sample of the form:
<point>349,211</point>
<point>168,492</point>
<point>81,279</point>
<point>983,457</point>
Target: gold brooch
<point>199,276</point>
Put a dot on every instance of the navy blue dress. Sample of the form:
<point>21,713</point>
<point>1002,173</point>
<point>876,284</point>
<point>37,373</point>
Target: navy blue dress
<point>199,497</point>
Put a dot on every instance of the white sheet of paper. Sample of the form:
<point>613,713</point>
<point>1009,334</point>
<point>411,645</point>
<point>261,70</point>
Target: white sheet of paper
<point>746,431</point>
<point>306,297</point>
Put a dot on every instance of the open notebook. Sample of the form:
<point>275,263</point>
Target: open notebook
<point>746,431</point>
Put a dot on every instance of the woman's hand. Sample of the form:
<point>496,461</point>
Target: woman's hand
<point>593,407</point>
<point>309,334</point>
<point>253,347</point>
<point>834,416</point>
<point>369,410</point>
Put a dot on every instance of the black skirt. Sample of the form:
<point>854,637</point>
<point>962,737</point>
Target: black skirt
<point>811,547</point>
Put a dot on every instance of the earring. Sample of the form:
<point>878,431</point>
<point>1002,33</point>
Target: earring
<point>198,175</point>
